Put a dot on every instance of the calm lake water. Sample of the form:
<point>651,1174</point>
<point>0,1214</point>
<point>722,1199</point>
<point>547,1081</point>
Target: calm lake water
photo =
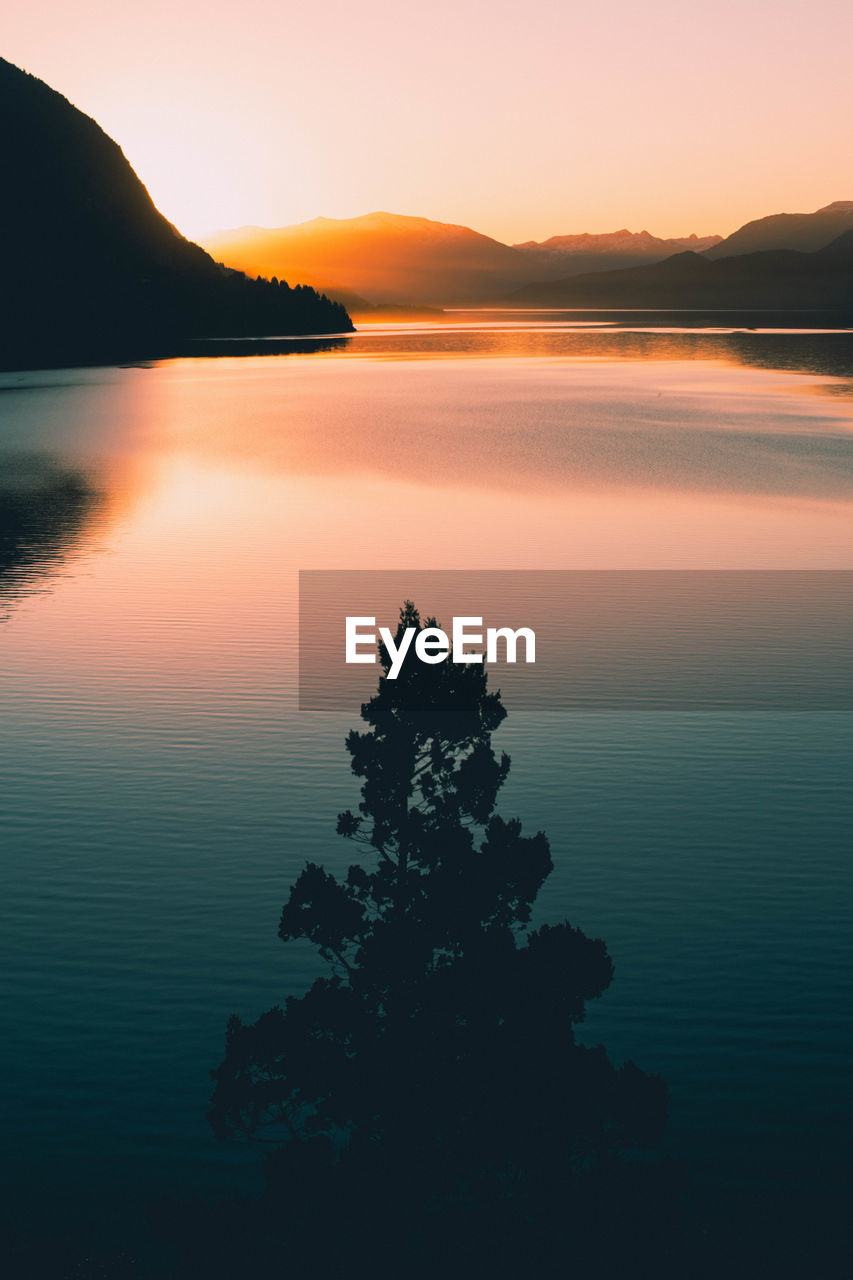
<point>159,791</point>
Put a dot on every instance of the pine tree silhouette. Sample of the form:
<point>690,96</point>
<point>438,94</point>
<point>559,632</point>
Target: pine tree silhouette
<point>428,1093</point>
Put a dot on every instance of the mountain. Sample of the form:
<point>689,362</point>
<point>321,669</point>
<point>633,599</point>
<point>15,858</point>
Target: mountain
<point>807,232</point>
<point>840,249</point>
<point>784,279</point>
<point>576,254</point>
<point>383,257</point>
<point>92,270</point>
<point>387,258</point>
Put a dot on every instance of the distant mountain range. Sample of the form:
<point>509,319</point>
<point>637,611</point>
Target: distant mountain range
<point>392,259</point>
<point>574,255</point>
<point>384,258</point>
<point>767,280</point>
<point>92,270</point>
<point>807,232</point>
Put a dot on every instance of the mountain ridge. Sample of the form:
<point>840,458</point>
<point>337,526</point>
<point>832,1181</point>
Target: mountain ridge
<point>770,279</point>
<point>94,271</point>
<point>620,241</point>
<point>401,259</point>
<point>383,257</point>
<point>404,259</point>
<point>807,232</point>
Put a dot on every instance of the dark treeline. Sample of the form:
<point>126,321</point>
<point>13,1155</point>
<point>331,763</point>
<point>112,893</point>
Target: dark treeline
<point>93,271</point>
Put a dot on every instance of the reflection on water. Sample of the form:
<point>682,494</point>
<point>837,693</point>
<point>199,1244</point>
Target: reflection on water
<point>751,340</point>
<point>160,791</point>
<point>601,448</point>
<point>44,509</point>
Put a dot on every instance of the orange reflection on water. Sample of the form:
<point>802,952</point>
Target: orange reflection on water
<point>221,478</point>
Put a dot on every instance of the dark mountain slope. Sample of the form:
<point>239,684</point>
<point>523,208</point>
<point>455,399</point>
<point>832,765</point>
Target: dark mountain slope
<point>92,269</point>
<point>784,280</point>
<point>807,232</point>
<point>840,249</point>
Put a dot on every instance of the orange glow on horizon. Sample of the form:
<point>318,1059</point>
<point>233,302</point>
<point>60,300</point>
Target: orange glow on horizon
<point>522,125</point>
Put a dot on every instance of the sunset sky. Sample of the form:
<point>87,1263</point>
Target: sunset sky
<point>521,120</point>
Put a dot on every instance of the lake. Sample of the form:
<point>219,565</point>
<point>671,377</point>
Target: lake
<point>160,790</point>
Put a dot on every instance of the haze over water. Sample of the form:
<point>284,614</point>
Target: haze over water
<point>160,791</point>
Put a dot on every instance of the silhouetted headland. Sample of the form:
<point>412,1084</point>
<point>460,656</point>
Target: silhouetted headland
<point>93,273</point>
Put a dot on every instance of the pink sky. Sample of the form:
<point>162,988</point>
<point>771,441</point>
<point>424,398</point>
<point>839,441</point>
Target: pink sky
<point>522,120</point>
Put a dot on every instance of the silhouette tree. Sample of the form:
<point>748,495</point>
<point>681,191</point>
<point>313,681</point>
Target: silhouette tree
<point>428,1091</point>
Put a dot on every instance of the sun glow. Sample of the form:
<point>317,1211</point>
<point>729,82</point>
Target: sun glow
<point>461,113</point>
